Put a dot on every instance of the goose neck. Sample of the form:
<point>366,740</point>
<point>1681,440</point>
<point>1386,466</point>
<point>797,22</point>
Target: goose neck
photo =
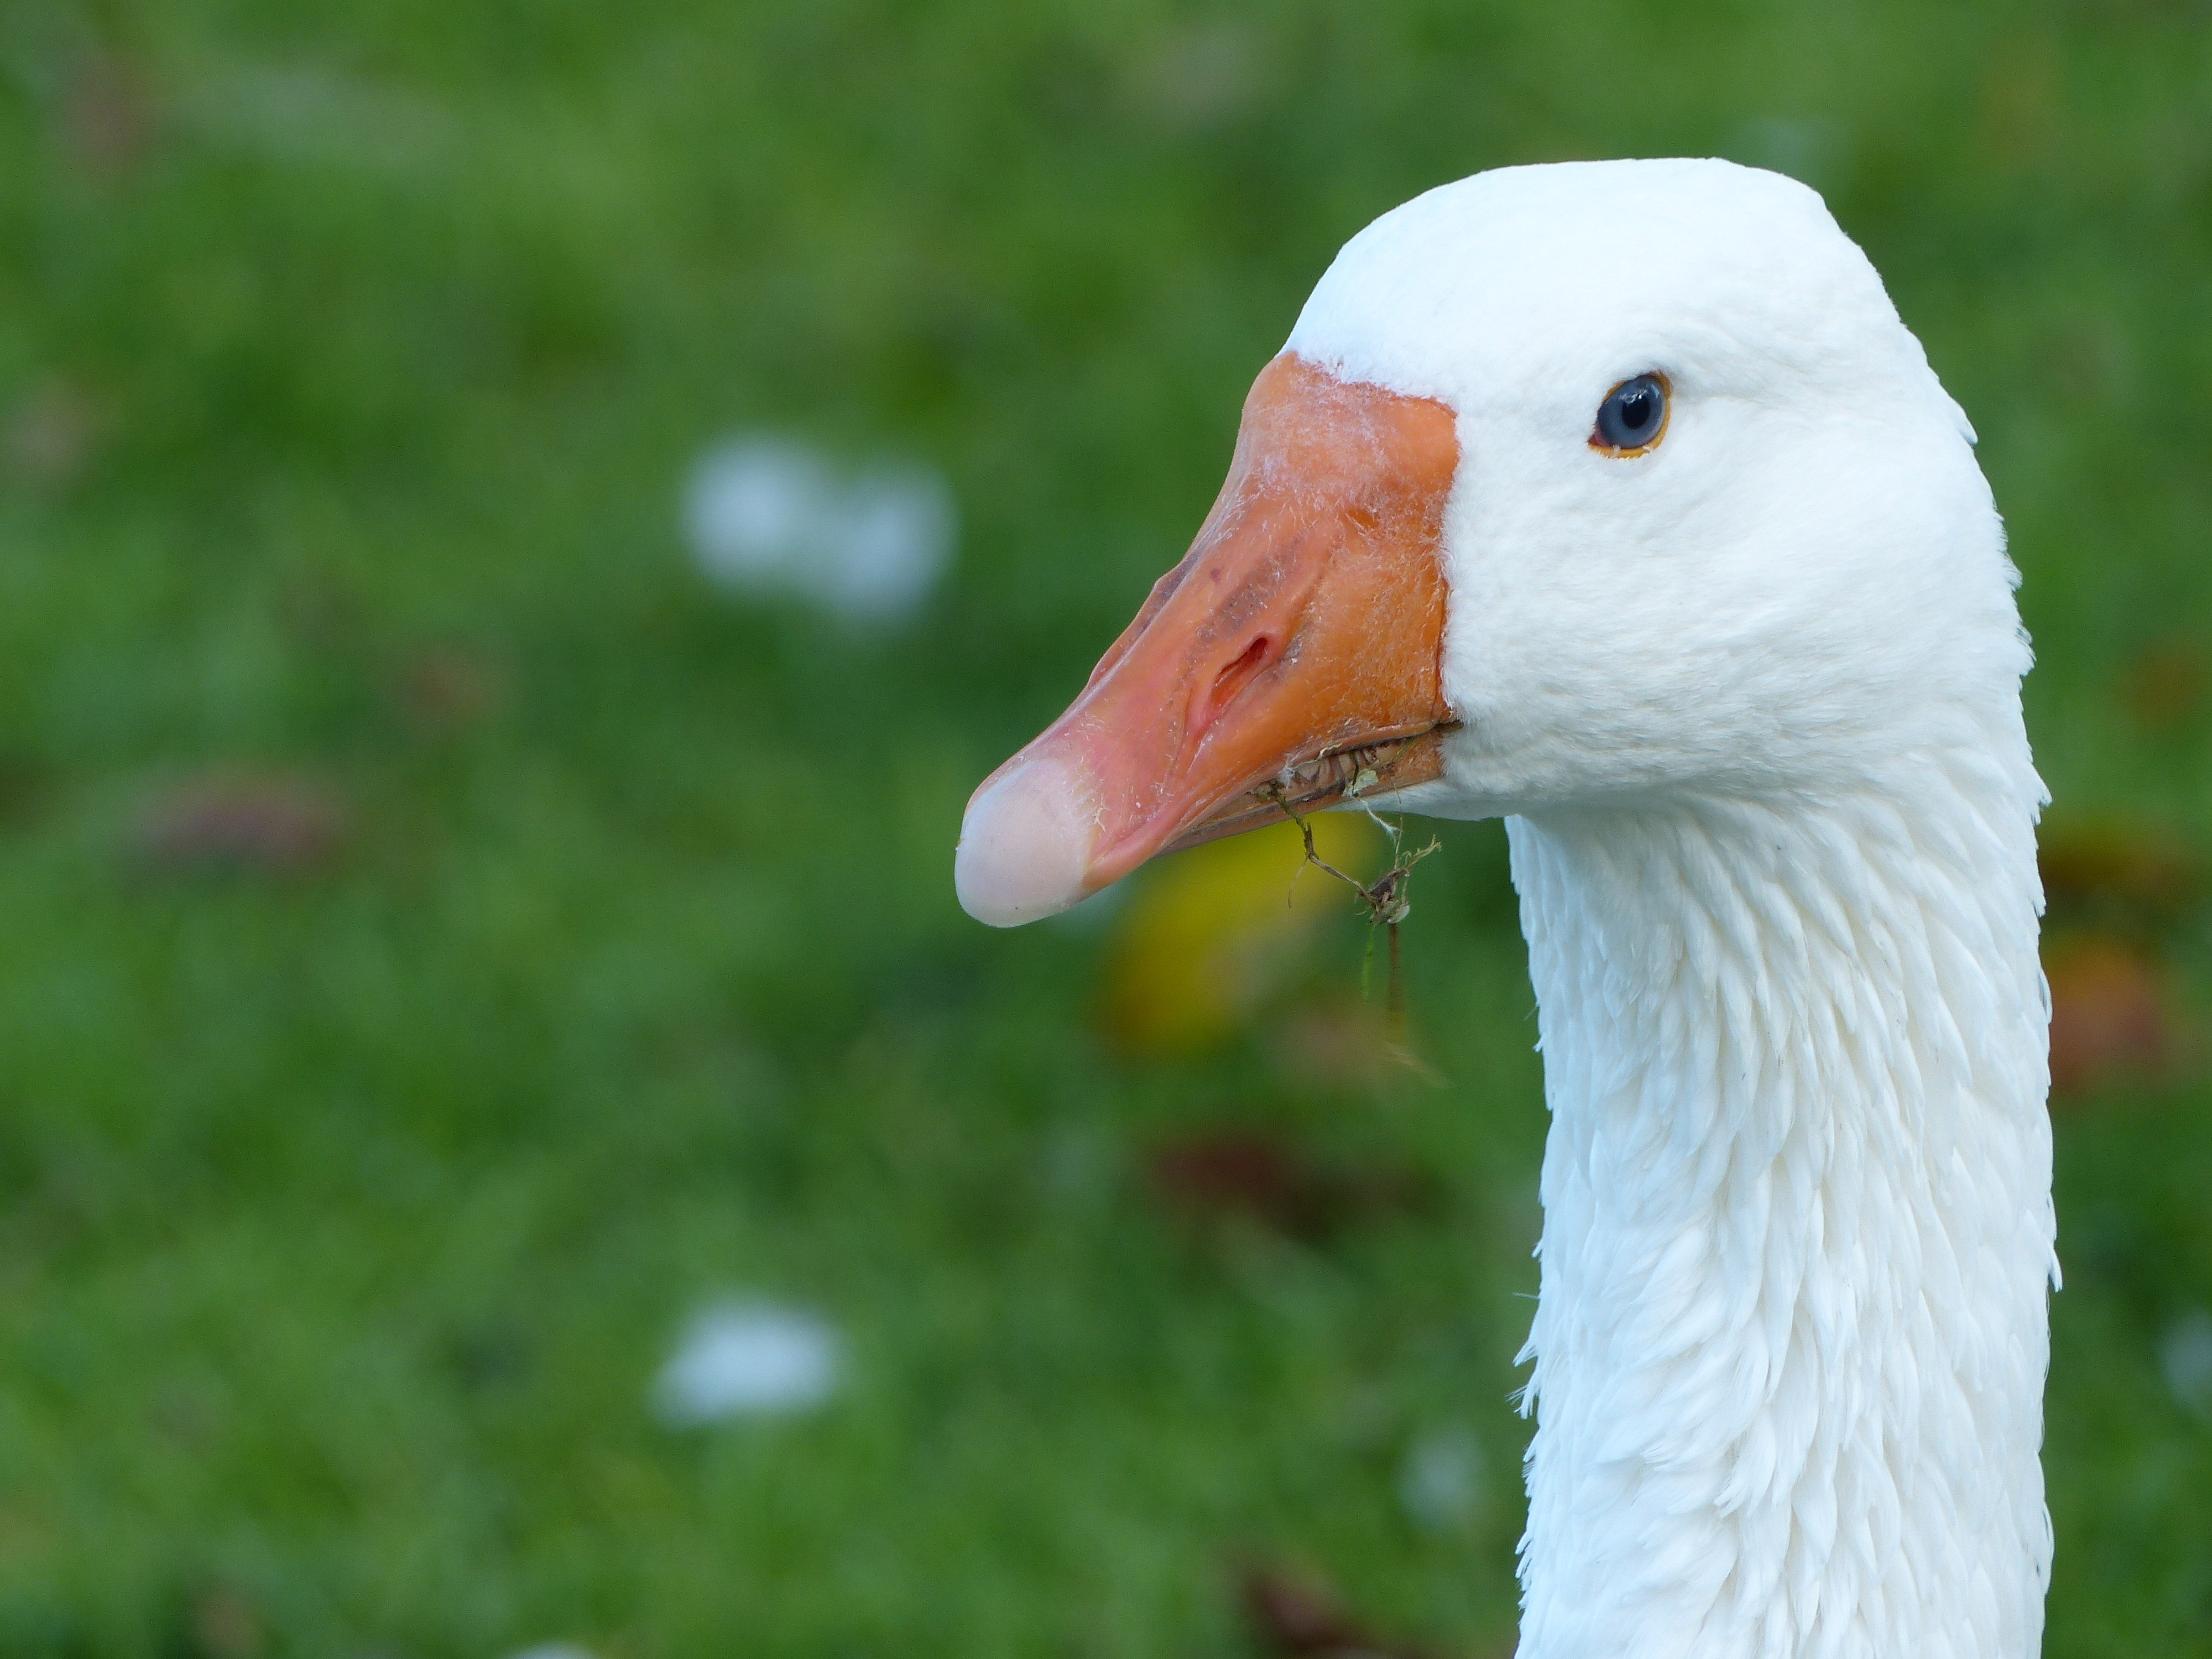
<point>1790,1349</point>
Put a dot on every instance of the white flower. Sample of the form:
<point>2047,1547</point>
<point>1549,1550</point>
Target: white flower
<point>767,514</point>
<point>747,1359</point>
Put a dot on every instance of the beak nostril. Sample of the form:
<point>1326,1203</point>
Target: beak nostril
<point>1232,680</point>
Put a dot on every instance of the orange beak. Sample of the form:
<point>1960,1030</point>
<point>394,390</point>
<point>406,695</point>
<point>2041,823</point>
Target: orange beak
<point>1290,659</point>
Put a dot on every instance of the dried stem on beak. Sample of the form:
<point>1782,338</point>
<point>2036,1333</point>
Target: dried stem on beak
<point>1386,904</point>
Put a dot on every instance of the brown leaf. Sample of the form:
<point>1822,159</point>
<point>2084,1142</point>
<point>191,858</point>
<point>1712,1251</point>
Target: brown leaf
<point>447,687</point>
<point>2164,687</point>
<point>226,1625</point>
<point>50,434</point>
<point>1294,1615</point>
<point>107,115</point>
<point>2115,872</point>
<point>245,821</point>
<point>2109,1013</point>
<point>1264,1178</point>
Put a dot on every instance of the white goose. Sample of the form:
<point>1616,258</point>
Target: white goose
<point>1614,498</point>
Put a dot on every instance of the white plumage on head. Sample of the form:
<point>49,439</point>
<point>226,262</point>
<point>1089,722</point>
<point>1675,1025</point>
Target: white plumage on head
<point>1751,705</point>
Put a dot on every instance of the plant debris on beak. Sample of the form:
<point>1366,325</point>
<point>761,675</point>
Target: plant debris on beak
<point>1291,660</point>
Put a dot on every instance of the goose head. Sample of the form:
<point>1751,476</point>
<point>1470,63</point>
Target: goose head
<point>1574,486</point>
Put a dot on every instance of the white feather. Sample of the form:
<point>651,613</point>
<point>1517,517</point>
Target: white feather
<point>1750,705</point>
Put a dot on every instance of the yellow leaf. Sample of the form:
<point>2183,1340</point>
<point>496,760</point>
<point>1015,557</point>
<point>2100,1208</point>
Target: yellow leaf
<point>1213,931</point>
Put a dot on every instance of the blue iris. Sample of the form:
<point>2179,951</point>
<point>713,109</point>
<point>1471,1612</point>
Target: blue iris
<point>1632,413</point>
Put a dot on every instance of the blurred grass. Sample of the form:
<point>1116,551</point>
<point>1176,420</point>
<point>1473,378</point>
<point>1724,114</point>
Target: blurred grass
<point>350,352</point>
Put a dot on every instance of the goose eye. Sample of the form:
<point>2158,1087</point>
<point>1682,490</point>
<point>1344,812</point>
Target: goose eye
<point>1632,418</point>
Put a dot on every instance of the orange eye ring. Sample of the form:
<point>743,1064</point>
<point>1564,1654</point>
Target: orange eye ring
<point>1628,425</point>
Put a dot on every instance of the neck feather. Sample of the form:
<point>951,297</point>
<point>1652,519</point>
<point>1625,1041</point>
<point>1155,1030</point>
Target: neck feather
<point>1791,1342</point>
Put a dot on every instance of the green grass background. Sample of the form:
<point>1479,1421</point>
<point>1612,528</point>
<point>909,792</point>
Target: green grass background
<point>343,1220</point>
